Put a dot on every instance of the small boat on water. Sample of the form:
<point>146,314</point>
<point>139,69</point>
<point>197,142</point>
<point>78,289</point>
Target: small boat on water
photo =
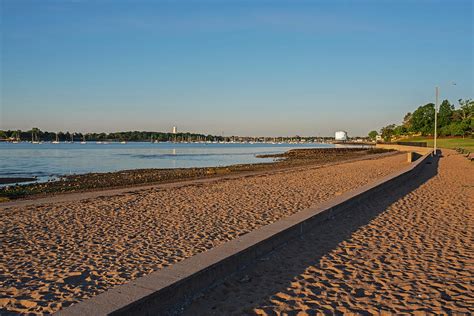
<point>84,140</point>
<point>123,142</point>
<point>17,138</point>
<point>33,139</point>
<point>56,141</point>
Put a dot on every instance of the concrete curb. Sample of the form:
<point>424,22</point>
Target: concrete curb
<point>163,292</point>
<point>419,150</point>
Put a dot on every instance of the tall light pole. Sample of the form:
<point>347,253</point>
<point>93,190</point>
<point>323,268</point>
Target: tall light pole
<point>436,120</point>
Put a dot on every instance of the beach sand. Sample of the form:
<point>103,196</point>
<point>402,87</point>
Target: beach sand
<point>55,254</point>
<point>410,250</point>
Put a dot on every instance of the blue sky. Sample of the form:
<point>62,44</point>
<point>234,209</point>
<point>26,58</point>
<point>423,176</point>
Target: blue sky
<point>270,68</point>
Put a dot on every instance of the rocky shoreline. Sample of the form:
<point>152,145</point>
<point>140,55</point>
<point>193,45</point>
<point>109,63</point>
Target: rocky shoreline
<point>128,178</point>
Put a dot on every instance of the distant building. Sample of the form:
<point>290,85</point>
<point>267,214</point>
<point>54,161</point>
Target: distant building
<point>175,130</point>
<point>340,136</point>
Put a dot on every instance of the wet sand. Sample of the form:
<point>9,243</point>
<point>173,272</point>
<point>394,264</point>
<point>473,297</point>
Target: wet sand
<point>410,250</point>
<point>141,177</point>
<point>54,254</point>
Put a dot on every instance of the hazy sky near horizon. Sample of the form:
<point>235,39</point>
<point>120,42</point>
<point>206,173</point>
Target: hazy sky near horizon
<point>257,67</point>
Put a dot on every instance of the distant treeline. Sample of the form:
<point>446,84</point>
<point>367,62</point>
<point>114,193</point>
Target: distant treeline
<point>451,121</point>
<point>36,134</point>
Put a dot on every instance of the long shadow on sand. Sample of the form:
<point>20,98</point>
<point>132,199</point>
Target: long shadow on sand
<point>253,287</point>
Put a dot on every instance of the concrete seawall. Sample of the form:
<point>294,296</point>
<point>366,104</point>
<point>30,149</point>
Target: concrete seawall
<point>415,149</point>
<point>164,291</point>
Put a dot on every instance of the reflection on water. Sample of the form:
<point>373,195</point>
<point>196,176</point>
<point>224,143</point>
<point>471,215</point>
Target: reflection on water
<point>49,160</point>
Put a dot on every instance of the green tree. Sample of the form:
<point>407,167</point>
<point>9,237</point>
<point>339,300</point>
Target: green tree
<point>407,120</point>
<point>400,130</point>
<point>387,132</point>
<point>465,116</point>
<point>445,113</point>
<point>466,109</point>
<point>458,128</point>
<point>373,135</point>
<point>423,119</point>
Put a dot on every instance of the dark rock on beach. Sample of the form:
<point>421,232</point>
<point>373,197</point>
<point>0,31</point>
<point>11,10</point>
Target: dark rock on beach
<point>16,180</point>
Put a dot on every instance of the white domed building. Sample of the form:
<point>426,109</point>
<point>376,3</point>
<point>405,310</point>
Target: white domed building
<point>341,136</point>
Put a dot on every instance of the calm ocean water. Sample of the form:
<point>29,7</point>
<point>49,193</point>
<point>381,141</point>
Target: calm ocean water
<point>48,160</point>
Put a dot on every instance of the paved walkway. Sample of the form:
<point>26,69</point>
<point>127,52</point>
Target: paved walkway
<point>409,250</point>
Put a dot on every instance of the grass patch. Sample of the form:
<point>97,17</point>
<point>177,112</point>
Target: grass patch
<point>450,143</point>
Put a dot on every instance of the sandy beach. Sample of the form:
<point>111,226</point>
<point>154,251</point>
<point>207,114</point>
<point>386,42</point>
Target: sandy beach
<point>201,157</point>
<point>411,250</point>
<point>55,254</point>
